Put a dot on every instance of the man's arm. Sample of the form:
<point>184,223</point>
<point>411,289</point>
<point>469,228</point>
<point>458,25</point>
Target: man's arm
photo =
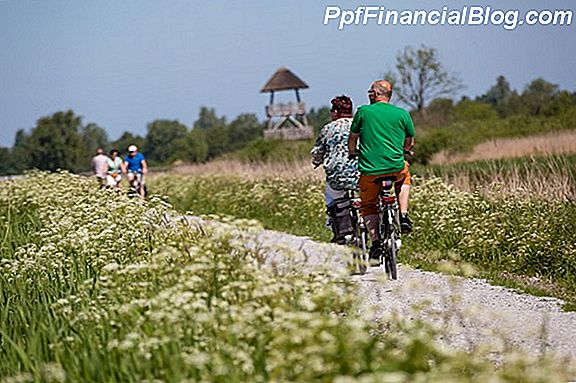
<point>410,133</point>
<point>353,144</point>
<point>355,128</point>
<point>144,167</point>
<point>408,143</point>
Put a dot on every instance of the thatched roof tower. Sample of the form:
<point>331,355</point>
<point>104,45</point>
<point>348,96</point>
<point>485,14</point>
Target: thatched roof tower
<point>287,121</point>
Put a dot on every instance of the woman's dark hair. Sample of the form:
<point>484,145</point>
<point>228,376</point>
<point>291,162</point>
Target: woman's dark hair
<point>114,151</point>
<point>342,105</point>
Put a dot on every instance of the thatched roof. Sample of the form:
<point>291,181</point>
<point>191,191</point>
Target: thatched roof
<point>283,79</point>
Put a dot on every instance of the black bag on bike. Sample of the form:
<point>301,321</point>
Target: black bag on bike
<point>340,210</point>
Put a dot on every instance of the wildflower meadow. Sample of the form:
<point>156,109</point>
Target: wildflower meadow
<point>97,287</point>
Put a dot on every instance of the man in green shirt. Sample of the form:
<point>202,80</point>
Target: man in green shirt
<point>385,132</point>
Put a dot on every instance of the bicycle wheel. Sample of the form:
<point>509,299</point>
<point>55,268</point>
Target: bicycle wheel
<point>390,245</point>
<point>390,259</point>
<point>361,252</point>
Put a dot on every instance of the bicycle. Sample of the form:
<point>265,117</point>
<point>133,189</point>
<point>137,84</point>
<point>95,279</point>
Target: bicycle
<point>134,183</point>
<point>389,227</point>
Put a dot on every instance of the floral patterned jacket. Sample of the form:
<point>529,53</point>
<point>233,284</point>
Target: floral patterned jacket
<point>331,151</point>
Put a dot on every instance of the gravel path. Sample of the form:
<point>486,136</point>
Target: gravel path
<point>472,312</point>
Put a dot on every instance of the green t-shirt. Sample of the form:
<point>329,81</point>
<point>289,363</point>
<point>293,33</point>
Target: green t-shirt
<point>114,165</point>
<point>383,129</point>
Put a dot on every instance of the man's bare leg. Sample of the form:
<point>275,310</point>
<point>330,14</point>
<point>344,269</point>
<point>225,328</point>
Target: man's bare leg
<point>405,222</point>
<point>403,197</point>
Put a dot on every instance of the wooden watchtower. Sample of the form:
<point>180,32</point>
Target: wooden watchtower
<point>286,121</point>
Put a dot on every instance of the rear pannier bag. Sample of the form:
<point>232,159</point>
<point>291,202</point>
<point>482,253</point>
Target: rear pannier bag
<point>340,210</point>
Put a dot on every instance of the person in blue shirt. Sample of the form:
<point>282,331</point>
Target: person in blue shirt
<point>135,167</point>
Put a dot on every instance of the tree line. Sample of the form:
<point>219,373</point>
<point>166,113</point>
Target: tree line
<point>501,112</point>
<point>421,83</point>
<point>63,141</point>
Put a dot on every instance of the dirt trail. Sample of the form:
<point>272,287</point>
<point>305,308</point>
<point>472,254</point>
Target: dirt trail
<point>472,311</point>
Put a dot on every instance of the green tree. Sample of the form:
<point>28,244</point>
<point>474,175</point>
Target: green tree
<point>56,143</point>
<point>164,140</point>
<point>467,110</point>
<point>216,132</point>
<point>20,159</point>
<point>439,112</point>
<point>195,147</point>
<point>244,129</point>
<point>498,95</point>
<point>218,140</point>
<point>207,119</point>
<point>93,137</point>
<point>515,106</point>
<point>560,103</point>
<point>127,139</point>
<point>5,162</point>
<point>538,95</point>
<point>317,118</point>
<point>421,77</point>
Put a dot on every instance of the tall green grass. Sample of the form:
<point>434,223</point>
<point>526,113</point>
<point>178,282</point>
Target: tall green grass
<point>294,206</point>
<point>108,289</point>
<point>18,226</point>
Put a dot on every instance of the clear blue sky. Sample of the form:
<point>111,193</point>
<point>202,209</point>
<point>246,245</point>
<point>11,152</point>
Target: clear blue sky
<point>122,64</point>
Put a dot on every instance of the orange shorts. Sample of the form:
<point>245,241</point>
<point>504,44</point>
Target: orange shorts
<point>370,188</point>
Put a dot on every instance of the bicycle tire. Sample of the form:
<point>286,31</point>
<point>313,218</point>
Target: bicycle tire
<point>361,252</point>
<point>392,268</point>
<point>389,253</point>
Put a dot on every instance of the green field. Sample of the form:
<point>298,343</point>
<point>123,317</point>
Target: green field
<point>513,236</point>
<point>96,287</point>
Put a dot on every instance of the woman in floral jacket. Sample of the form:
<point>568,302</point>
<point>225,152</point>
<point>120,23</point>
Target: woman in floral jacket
<point>331,151</point>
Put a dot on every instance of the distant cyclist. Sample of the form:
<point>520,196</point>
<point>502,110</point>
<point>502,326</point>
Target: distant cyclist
<point>331,151</point>
<point>385,132</point>
<point>114,169</point>
<point>136,168</point>
<point>99,166</point>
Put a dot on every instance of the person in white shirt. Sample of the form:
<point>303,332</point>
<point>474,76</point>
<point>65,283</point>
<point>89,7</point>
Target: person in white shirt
<point>100,166</point>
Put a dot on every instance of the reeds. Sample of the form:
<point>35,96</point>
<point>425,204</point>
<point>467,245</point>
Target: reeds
<point>554,143</point>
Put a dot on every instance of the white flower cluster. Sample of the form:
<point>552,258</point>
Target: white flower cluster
<point>527,236</point>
